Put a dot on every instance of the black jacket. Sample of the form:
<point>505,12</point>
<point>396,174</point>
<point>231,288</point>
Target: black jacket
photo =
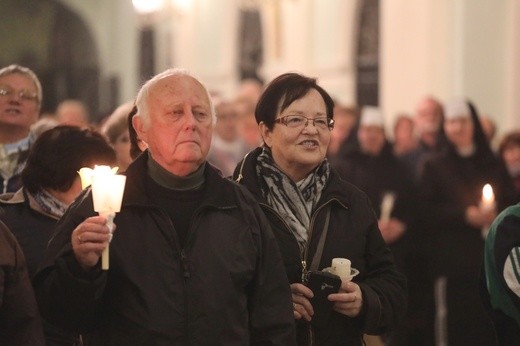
<point>353,233</point>
<point>33,227</point>
<point>20,323</point>
<point>225,287</point>
<point>376,175</point>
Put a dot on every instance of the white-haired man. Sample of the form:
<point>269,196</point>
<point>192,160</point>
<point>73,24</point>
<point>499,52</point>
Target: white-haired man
<point>193,260</point>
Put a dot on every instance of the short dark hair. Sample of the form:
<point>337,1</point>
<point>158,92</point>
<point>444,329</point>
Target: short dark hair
<point>57,155</point>
<point>284,90</point>
<point>510,140</point>
<point>135,150</point>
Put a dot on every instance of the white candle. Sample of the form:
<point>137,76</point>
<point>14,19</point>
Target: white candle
<point>107,195</point>
<point>387,204</point>
<point>341,267</point>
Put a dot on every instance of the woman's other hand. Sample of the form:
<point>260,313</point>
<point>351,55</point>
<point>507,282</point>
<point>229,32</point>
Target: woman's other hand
<point>349,300</point>
<point>302,307</point>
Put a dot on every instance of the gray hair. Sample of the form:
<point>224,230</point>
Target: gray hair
<point>141,100</point>
<point>12,69</point>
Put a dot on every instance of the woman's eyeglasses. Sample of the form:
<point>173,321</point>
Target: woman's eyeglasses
<point>296,121</point>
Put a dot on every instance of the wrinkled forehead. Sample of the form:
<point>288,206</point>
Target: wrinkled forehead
<point>180,87</point>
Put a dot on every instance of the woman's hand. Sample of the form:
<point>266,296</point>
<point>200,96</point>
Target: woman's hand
<point>89,240</point>
<point>392,230</point>
<point>349,300</point>
<point>479,218</point>
<point>302,307</point>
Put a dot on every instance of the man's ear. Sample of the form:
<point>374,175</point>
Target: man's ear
<point>139,127</point>
<point>265,133</point>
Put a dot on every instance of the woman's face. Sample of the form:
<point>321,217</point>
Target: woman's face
<point>122,148</point>
<point>511,156</point>
<point>459,131</point>
<point>298,150</point>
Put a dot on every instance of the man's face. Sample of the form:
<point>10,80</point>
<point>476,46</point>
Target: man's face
<point>179,129</point>
<point>19,105</point>
<point>428,116</point>
<point>371,139</point>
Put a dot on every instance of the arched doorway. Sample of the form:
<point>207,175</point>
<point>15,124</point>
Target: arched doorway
<point>54,41</point>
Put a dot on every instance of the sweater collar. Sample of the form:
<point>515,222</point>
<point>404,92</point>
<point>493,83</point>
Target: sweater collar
<point>174,182</point>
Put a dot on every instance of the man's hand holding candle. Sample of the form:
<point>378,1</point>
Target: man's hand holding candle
<point>89,239</point>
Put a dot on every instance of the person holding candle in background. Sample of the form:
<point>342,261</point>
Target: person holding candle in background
<point>50,184</point>
<point>370,164</point>
<point>456,212</point>
<point>193,259</point>
<point>306,203</point>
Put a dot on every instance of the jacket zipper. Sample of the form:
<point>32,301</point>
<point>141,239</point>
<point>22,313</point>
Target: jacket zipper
<point>303,255</point>
<point>240,176</point>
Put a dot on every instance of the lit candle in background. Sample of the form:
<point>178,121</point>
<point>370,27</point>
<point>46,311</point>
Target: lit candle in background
<point>487,204</point>
<point>387,204</point>
<point>488,198</point>
<point>107,194</point>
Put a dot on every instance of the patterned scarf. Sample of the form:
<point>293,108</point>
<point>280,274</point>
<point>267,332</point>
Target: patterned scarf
<point>294,202</point>
<point>49,204</point>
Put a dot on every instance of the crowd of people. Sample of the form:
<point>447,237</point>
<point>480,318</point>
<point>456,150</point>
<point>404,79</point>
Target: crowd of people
<point>231,205</point>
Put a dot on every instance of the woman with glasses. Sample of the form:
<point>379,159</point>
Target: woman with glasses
<point>316,216</point>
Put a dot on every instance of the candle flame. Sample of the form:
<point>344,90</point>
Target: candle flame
<point>487,193</point>
<point>86,173</point>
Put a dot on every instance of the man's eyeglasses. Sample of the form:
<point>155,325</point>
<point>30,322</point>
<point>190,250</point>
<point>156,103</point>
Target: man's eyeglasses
<point>296,121</point>
<point>23,94</point>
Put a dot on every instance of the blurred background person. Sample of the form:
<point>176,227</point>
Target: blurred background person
<point>117,132</point>
<point>50,184</point>
<point>405,138</point>
<point>428,124</point>
<point>509,151</point>
<point>451,185</point>
<point>371,165</point>
<point>345,119</point>
<point>249,90</point>
<point>20,323</point>
<point>247,126</point>
<point>20,102</point>
<point>43,124</point>
<point>73,113</point>
<point>489,127</point>
<point>227,146</point>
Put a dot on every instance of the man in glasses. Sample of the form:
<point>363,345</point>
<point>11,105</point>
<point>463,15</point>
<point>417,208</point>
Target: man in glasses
<point>20,101</point>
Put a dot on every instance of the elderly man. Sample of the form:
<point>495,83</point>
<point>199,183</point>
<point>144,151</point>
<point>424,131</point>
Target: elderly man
<point>20,100</point>
<point>193,260</point>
